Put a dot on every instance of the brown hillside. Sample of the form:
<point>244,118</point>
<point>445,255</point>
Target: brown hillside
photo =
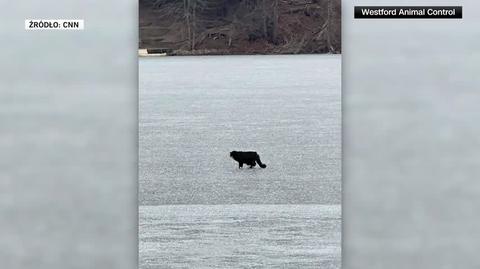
<point>241,26</point>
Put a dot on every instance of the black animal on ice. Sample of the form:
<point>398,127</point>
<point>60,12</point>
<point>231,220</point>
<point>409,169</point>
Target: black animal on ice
<point>247,157</point>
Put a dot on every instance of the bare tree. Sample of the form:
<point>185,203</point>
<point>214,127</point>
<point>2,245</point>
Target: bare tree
<point>265,20</point>
<point>329,24</point>
<point>190,7</point>
<point>194,23</point>
<point>275,21</point>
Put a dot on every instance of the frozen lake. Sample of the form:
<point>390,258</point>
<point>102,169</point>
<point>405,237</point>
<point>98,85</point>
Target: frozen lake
<point>195,110</point>
<point>198,209</point>
<point>240,236</point>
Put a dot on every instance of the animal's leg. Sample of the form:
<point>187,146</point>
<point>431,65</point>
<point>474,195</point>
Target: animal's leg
<point>240,165</point>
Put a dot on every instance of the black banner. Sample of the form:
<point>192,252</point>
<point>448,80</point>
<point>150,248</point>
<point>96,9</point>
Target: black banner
<point>408,12</point>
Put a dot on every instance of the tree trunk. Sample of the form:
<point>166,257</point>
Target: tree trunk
<point>264,9</point>
<point>194,24</point>
<point>275,22</point>
<point>186,4</point>
<point>329,21</point>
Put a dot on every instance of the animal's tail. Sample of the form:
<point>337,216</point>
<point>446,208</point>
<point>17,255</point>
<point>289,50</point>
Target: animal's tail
<point>262,165</point>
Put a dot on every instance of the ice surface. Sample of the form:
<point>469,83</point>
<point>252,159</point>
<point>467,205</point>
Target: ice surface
<point>195,110</point>
<point>199,210</point>
<point>240,236</point>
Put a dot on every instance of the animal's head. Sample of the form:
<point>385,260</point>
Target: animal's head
<point>233,153</point>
